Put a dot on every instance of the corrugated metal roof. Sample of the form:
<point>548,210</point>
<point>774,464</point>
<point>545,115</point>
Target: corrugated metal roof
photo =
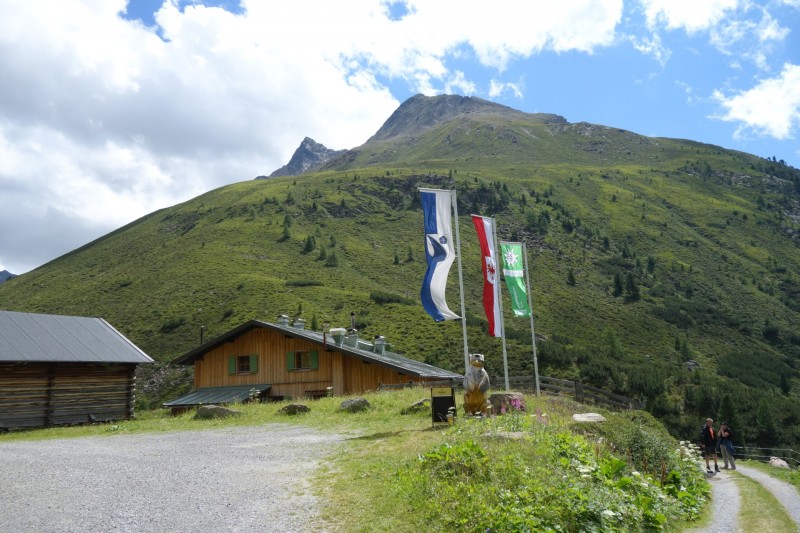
<point>389,359</point>
<point>217,395</point>
<point>35,338</point>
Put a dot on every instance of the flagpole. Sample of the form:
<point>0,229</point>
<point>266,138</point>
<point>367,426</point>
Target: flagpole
<point>454,203</point>
<point>530,306</point>
<point>499,298</point>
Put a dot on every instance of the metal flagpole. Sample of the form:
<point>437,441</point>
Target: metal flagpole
<point>460,280</point>
<point>499,298</point>
<point>530,306</point>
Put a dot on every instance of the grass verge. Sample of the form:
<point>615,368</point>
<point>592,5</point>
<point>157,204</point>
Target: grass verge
<point>760,510</point>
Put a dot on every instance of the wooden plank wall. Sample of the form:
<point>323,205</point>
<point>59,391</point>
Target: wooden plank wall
<point>360,376</point>
<point>271,347</point>
<point>45,394</point>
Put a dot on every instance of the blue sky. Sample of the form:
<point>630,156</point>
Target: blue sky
<point>111,109</point>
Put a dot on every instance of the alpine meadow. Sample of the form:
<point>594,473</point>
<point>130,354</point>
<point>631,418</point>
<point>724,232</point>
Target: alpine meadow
<point>662,269</point>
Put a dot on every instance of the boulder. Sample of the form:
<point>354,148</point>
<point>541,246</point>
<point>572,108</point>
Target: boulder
<point>294,409</point>
<point>355,405</point>
<point>778,462</point>
<point>506,402</point>
<point>206,412</point>
<point>588,417</point>
<point>505,435</point>
<point>419,406</point>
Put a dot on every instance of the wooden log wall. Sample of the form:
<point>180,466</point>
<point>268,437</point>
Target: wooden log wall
<point>49,394</point>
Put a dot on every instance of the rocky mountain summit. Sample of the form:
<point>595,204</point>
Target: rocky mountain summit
<point>421,112</point>
<point>310,155</point>
<point>5,274</point>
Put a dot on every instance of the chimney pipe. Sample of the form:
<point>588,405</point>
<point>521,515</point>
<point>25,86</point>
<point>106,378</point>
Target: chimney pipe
<point>380,344</point>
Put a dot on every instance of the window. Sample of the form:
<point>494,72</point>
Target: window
<point>242,364</point>
<point>302,360</point>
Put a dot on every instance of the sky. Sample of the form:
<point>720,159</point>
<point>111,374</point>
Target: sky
<point>112,109</point>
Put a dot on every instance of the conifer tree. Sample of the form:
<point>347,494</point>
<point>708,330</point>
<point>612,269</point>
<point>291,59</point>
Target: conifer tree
<point>617,285</point>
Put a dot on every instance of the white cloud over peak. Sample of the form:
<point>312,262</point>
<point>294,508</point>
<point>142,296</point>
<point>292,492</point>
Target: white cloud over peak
<point>770,108</point>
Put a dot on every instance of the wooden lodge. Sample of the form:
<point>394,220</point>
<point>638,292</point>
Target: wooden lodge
<point>275,361</point>
<point>57,370</point>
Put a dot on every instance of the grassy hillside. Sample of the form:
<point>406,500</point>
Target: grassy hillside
<point>644,253</point>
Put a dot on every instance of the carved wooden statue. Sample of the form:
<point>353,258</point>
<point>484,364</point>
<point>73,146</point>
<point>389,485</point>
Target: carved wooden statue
<point>476,385</point>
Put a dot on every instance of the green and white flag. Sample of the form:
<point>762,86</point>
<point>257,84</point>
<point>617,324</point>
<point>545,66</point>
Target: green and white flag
<point>514,272</point>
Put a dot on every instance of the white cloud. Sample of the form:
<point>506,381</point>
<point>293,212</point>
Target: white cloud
<point>651,46</point>
<point>499,88</point>
<point>690,15</point>
<point>770,108</point>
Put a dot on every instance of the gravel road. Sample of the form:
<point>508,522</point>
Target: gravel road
<point>244,479</point>
<point>725,504</point>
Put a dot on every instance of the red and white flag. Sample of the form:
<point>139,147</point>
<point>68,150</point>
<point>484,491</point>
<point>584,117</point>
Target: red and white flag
<point>491,277</point>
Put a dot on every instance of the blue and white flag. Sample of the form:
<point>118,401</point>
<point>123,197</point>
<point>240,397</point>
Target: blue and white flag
<point>439,252</point>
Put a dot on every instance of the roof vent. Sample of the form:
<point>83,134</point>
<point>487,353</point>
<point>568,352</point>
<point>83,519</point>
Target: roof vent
<point>380,344</point>
<point>299,323</point>
<point>338,335</point>
<point>351,338</point>
<point>283,320</point>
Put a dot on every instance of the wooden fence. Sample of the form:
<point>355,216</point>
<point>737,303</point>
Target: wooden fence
<point>580,391</point>
<point>791,457</point>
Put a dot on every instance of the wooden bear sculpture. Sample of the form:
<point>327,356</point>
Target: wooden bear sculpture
<point>476,384</point>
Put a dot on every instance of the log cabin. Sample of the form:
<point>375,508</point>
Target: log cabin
<point>57,370</point>
<point>276,361</point>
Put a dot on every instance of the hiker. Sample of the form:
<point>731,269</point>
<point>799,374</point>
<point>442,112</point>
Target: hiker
<point>726,445</point>
<point>708,441</point>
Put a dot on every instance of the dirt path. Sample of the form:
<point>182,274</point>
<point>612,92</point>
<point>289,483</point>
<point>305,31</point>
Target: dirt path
<point>725,499</point>
<point>725,503</point>
<point>246,479</point>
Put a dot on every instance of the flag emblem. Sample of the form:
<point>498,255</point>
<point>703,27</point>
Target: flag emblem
<point>491,271</point>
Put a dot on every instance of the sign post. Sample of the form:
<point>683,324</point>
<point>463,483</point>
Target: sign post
<point>443,402</point>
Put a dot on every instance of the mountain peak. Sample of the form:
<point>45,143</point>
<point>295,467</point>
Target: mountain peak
<point>421,112</point>
<point>309,155</point>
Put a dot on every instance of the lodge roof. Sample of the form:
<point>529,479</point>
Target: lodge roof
<point>388,359</point>
<point>30,337</point>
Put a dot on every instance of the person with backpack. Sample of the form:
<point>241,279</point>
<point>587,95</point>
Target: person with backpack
<point>708,442</point>
<point>726,445</point>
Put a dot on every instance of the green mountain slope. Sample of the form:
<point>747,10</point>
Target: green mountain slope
<point>645,253</point>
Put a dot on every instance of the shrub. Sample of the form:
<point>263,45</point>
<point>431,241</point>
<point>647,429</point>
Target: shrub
<point>381,298</point>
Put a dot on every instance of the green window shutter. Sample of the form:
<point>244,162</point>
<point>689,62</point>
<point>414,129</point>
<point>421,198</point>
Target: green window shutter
<point>253,364</point>
<point>290,360</point>
<point>231,364</point>
<point>314,360</point>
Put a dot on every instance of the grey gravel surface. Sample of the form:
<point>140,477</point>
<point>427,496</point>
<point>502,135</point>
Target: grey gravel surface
<point>783,492</point>
<point>246,479</point>
<point>725,504</point>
